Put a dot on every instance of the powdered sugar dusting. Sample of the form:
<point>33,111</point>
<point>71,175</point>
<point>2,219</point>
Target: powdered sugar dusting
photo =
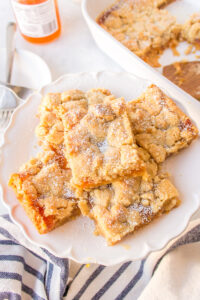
<point>68,193</point>
<point>103,146</point>
<point>145,212</point>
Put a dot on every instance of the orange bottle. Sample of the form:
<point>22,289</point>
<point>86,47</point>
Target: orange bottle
<point>38,20</point>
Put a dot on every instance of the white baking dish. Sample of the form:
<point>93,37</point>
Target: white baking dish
<point>182,9</point>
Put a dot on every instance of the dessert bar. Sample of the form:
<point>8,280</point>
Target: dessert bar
<point>43,188</point>
<point>102,144</point>
<point>125,205</point>
<point>159,125</point>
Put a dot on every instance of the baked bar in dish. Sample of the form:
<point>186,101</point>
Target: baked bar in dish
<point>43,188</point>
<point>101,146</point>
<point>159,125</point>
<point>141,26</point>
<point>50,130</point>
<point>127,204</point>
<point>191,29</point>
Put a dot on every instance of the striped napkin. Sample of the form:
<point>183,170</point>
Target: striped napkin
<point>29,272</point>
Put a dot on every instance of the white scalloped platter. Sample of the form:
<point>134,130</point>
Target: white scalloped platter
<point>75,239</point>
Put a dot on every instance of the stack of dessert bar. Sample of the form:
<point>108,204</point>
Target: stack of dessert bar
<point>102,157</point>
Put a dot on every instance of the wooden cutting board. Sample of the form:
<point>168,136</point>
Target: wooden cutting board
<point>186,75</point>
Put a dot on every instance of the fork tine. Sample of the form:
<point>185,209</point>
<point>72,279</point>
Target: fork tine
<point>9,116</point>
<point>5,117</point>
<point>2,118</point>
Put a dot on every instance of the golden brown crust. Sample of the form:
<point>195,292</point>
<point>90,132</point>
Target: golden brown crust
<point>120,186</point>
<point>50,130</point>
<point>125,205</point>
<point>191,29</point>
<point>101,144</point>
<point>43,188</point>
<point>141,26</point>
<point>146,29</point>
<point>159,125</point>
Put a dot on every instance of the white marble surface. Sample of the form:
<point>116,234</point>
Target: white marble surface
<point>73,51</point>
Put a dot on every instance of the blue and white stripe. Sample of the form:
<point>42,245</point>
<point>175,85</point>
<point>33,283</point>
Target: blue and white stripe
<point>28,272</point>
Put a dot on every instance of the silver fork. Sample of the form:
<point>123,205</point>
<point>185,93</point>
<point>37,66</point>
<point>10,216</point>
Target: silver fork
<point>5,115</point>
<point>13,95</point>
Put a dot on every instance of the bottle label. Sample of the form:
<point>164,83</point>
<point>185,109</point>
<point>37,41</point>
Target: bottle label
<point>36,20</point>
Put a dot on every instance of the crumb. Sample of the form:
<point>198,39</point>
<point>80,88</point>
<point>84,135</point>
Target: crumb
<point>188,50</point>
<point>126,247</point>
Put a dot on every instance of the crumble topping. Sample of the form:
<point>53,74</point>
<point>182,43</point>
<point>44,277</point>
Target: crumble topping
<point>50,130</point>
<point>43,188</point>
<point>146,32</point>
<point>118,209</point>
<point>101,157</point>
<point>191,29</point>
<point>159,125</point>
<point>146,29</point>
<point>102,144</point>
